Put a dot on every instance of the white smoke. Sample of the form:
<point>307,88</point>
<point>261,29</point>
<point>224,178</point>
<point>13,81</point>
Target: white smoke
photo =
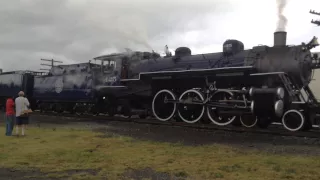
<point>8,79</point>
<point>122,29</point>
<point>282,20</point>
<point>134,29</point>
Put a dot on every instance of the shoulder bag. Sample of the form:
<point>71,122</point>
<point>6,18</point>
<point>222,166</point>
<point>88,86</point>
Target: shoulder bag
<point>25,113</point>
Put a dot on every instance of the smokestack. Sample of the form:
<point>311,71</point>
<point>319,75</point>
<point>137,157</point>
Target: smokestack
<point>280,38</point>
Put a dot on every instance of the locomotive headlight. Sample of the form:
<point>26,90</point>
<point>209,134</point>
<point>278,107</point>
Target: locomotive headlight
<point>104,97</point>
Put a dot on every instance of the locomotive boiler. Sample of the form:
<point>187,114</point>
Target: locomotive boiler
<point>252,87</point>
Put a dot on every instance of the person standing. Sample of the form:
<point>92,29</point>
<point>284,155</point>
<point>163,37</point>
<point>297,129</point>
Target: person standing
<point>10,116</point>
<point>22,105</point>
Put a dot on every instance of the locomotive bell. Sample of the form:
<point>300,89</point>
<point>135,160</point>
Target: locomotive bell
<point>313,43</point>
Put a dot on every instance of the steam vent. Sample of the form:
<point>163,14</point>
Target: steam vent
<point>280,38</point>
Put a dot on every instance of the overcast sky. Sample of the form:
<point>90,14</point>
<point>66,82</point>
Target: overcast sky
<point>79,30</point>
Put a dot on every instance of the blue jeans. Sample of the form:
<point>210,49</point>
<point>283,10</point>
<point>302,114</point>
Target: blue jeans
<point>9,124</point>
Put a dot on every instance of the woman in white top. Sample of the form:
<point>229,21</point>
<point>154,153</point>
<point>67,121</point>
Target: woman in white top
<point>22,104</point>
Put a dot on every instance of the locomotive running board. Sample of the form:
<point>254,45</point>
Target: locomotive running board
<point>227,71</point>
<point>111,89</point>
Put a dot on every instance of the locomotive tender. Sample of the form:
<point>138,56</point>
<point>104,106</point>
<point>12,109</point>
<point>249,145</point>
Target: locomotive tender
<point>68,88</point>
<point>241,87</point>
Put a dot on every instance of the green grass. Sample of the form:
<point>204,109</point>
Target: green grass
<point>64,150</point>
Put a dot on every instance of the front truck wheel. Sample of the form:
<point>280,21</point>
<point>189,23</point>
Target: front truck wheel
<point>293,120</point>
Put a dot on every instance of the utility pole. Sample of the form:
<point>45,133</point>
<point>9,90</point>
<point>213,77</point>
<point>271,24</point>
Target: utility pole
<point>51,65</point>
<point>316,22</point>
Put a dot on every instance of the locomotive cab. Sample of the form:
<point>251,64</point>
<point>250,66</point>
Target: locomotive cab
<point>109,70</point>
<point>117,71</point>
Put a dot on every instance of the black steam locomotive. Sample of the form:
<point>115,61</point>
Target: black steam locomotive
<point>236,86</point>
<point>249,87</point>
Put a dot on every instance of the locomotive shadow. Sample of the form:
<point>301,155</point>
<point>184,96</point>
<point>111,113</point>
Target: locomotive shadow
<point>192,137</point>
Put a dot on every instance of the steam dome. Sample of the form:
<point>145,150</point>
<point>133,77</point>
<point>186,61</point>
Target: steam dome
<point>182,51</point>
<point>232,46</point>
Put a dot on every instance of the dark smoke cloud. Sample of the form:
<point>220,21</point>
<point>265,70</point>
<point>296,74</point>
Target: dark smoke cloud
<point>282,20</point>
<point>78,30</point>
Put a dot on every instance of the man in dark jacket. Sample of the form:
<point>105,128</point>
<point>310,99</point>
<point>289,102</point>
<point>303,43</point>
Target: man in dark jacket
<point>10,116</point>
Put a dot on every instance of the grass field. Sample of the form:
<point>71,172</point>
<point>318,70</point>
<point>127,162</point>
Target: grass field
<point>86,154</point>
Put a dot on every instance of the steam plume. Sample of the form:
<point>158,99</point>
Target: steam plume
<point>282,20</point>
<point>134,29</point>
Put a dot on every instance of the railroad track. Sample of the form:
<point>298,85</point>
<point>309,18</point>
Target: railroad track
<point>274,129</point>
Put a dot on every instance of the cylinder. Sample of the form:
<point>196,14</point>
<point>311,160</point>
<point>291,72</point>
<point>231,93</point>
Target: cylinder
<point>267,92</point>
<point>267,107</point>
<point>280,38</point>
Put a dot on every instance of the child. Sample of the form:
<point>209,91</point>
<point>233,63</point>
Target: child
<point>10,116</point>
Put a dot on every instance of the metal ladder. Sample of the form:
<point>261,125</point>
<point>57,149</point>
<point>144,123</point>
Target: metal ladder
<point>312,99</point>
<point>288,85</point>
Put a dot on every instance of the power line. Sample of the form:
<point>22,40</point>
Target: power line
<point>50,65</point>
<point>314,12</point>
<point>317,22</point>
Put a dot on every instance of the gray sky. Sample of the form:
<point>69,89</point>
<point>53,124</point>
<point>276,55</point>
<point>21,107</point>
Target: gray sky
<point>79,30</point>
